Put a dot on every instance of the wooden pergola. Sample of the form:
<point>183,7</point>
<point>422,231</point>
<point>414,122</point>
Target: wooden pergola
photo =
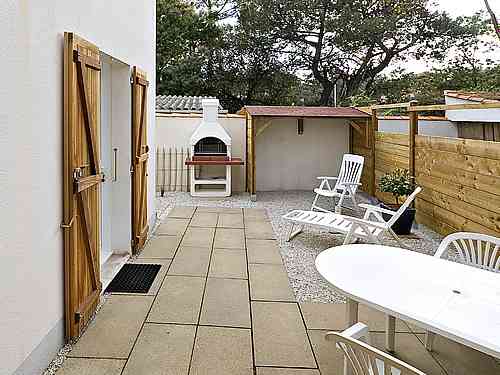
<point>358,120</point>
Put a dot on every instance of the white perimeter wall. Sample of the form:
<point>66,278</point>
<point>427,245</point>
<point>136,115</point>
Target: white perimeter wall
<point>31,121</point>
<point>288,161</point>
<point>437,128</point>
<point>175,131</point>
<point>471,115</point>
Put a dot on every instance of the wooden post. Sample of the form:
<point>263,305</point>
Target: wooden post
<point>251,185</point>
<point>373,131</point>
<point>412,133</point>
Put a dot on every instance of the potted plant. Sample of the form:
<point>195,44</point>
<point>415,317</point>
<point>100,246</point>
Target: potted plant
<point>400,184</point>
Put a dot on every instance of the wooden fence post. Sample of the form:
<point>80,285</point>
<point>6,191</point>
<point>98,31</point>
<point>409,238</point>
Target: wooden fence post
<point>412,133</point>
<point>373,131</point>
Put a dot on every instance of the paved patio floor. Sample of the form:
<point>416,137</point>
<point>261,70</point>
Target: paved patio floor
<point>222,304</point>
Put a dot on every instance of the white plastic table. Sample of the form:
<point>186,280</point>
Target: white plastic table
<point>454,300</point>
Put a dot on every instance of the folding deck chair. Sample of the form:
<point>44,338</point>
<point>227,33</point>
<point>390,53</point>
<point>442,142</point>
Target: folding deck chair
<point>367,228</point>
<point>346,184</point>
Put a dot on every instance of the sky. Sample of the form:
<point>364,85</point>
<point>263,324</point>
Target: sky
<point>458,8</point>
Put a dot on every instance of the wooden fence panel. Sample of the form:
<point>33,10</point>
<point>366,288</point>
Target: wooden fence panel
<point>461,181</point>
<point>359,148</point>
<point>391,152</point>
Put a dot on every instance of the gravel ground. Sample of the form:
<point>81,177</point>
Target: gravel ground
<point>299,254</point>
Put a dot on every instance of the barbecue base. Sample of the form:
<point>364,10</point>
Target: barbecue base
<point>224,182</point>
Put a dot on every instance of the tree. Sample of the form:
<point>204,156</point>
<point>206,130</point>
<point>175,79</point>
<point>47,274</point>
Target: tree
<point>199,53</point>
<point>181,39</point>
<point>493,17</point>
<point>349,42</point>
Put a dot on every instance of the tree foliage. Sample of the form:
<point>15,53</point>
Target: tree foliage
<point>297,52</point>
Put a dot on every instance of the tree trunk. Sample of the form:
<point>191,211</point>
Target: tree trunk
<point>494,20</point>
<point>326,94</point>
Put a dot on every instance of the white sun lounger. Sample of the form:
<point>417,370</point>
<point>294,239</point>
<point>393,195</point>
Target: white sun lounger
<point>354,228</point>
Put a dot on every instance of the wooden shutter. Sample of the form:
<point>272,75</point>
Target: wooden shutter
<point>140,151</point>
<point>82,178</point>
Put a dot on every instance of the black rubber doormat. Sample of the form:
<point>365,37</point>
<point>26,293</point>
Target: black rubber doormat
<point>133,278</point>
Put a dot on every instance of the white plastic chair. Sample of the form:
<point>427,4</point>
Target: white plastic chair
<point>362,359</point>
<point>346,184</point>
<point>475,249</point>
<point>373,225</point>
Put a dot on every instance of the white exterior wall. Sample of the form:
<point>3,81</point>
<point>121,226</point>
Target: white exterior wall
<point>288,161</point>
<point>176,130</point>
<point>31,125</point>
<point>471,115</point>
<point>437,128</point>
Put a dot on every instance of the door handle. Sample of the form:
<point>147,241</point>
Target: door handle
<point>115,164</point>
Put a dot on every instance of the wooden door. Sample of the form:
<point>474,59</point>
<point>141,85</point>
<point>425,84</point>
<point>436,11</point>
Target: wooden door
<point>82,179</point>
<point>139,168</point>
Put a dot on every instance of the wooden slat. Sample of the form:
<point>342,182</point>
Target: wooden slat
<point>390,106</point>
<point>391,160</point>
<point>475,197</point>
<point>476,164</point>
<point>391,148</point>
<point>441,169</point>
<point>450,107</point>
<point>472,147</point>
<point>475,213</point>
<point>451,219</point>
<point>394,138</point>
<point>432,223</point>
<point>87,182</point>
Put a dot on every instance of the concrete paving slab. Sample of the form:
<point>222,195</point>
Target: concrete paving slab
<point>161,247</point>
<point>198,237</point>
<point>269,282</point>
<point>263,251</point>
<point>458,359</point>
<point>226,303</point>
<point>178,301</point>
<point>91,366</point>
<point>220,210</point>
<point>279,336</point>
<point>332,316</point>
<point>172,227</point>
<point>408,349</point>
<point>230,221</point>
<point>204,220</point>
<point>220,351</point>
<point>286,371</point>
<point>228,263</point>
<point>260,230</point>
<point>255,214</point>
<point>115,328</point>
<point>162,349</point>
<point>191,261</point>
<point>180,212</point>
<point>226,238</point>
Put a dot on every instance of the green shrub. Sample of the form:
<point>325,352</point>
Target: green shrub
<point>399,183</point>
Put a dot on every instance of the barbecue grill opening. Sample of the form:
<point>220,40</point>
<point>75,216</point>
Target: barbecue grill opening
<point>210,146</point>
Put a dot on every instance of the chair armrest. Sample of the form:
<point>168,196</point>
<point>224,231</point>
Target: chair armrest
<point>365,222</point>
<point>377,208</point>
<point>326,178</point>
<point>351,183</point>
